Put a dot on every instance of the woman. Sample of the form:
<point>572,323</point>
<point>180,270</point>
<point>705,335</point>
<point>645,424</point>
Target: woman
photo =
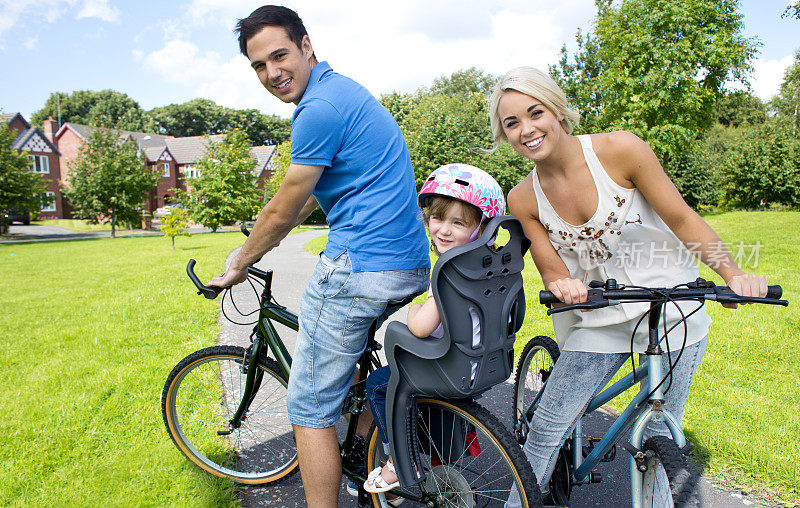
<point>598,207</point>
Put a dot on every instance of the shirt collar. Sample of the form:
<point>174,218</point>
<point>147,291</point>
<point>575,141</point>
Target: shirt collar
<point>317,72</point>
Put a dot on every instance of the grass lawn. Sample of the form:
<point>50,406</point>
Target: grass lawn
<point>91,328</point>
<point>744,409</point>
<point>77,225</point>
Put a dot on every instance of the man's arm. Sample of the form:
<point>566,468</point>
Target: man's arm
<point>275,221</point>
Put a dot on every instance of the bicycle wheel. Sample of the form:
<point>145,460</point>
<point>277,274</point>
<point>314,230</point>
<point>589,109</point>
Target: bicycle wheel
<point>468,456</point>
<point>534,367</point>
<point>201,395</point>
<point>664,457</point>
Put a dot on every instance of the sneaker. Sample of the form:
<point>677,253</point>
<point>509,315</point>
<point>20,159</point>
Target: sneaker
<point>352,488</point>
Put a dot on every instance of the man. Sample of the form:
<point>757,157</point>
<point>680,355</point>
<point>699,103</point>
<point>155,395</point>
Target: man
<point>348,156</point>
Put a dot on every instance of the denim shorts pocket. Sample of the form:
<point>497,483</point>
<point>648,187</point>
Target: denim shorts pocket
<point>360,315</point>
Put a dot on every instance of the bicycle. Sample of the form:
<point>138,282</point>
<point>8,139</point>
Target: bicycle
<point>575,463</point>
<point>224,408</point>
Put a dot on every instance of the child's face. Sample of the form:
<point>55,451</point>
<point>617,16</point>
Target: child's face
<point>450,230</point>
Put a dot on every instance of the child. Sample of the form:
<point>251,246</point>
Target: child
<point>457,199</point>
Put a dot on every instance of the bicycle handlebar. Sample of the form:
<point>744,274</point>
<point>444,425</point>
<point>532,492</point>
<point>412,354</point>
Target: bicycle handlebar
<point>609,293</point>
<point>212,292</point>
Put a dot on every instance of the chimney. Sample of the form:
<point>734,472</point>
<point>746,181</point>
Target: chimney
<point>50,129</point>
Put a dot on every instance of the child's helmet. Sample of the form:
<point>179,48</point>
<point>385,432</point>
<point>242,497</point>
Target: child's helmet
<point>465,183</point>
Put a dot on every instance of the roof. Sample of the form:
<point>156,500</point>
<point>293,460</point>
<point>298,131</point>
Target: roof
<point>9,117</point>
<point>189,150</point>
<point>27,135</point>
<point>261,154</point>
<point>143,139</point>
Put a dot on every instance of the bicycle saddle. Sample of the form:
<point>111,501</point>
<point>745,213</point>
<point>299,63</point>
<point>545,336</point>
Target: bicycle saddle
<point>479,295</point>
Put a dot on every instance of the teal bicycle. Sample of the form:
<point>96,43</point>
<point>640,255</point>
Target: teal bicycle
<point>576,462</point>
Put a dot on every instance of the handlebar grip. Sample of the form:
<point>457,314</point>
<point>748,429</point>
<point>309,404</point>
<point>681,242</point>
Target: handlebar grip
<point>243,229</point>
<point>547,298</point>
<point>208,292</point>
<point>774,292</point>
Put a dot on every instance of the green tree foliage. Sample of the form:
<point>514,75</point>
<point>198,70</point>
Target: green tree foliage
<point>787,103</point>
<point>399,105</point>
<point>762,166</point>
<point>175,223</point>
<point>20,188</point>
<point>464,82</point>
<point>105,108</point>
<point>740,108</point>
<point>282,158</point>
<point>225,191</point>
<point>443,129</point>
<point>109,180</point>
<point>792,11</point>
<point>199,117</point>
<point>579,79</point>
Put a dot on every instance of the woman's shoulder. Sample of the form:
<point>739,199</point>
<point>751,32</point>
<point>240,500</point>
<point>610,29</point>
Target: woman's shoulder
<point>621,153</point>
<point>616,143</point>
<point>522,198</point>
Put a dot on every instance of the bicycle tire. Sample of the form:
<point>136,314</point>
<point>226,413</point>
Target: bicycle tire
<point>534,366</point>
<point>208,383</point>
<point>483,475</point>
<point>680,472</point>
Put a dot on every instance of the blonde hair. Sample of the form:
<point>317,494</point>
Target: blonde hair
<point>534,83</point>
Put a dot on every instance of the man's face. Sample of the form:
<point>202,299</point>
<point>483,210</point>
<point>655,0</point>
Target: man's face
<point>281,66</point>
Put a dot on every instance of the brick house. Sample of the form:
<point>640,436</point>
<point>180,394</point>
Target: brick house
<point>44,159</point>
<point>53,150</point>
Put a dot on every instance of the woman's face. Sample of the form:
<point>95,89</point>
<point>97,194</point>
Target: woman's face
<point>532,130</point>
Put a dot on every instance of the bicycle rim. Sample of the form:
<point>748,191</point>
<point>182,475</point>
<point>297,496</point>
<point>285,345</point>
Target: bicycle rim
<point>534,367</point>
<point>469,458</point>
<point>200,398</point>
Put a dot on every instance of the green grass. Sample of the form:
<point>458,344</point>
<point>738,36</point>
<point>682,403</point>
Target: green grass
<point>744,409</point>
<point>76,225</point>
<point>91,328</point>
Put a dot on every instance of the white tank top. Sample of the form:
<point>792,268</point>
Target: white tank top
<point>624,240</point>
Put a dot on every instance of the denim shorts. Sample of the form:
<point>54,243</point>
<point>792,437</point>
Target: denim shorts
<point>336,311</point>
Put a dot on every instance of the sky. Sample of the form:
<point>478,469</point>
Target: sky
<point>165,52</point>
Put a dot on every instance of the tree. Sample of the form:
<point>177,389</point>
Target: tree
<point>200,117</point>
<point>443,129</point>
<point>109,180</point>
<point>792,11</point>
<point>578,80</point>
<point>20,188</point>
<point>175,223</point>
<point>657,67</point>
<point>105,108</point>
<point>762,167</point>
<point>464,82</point>
<point>283,158</point>
<point>225,191</point>
<point>787,103</point>
<point>740,108</point>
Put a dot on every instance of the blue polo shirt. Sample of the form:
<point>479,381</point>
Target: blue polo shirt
<point>367,187</point>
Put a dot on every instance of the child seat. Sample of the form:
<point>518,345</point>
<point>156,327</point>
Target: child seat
<point>480,298</point>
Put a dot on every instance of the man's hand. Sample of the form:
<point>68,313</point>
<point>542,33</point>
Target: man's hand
<point>231,277</point>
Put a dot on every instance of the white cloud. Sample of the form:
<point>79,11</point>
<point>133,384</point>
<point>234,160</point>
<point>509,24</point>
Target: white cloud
<point>98,9</point>
<point>31,42</point>
<point>386,46</point>
<point>768,76</point>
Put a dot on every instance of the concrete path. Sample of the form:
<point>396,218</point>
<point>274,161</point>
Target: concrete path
<point>293,266</point>
<point>39,232</point>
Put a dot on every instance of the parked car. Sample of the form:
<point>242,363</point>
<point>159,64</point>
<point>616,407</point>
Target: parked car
<point>18,216</point>
<point>166,210</point>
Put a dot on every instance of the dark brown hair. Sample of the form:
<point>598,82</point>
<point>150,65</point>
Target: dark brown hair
<point>270,15</point>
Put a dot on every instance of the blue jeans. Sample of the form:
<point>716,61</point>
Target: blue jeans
<point>336,311</point>
<point>576,378</point>
<point>377,382</point>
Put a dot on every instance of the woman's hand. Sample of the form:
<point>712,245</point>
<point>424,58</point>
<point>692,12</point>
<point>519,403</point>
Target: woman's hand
<point>569,290</point>
<point>746,284</point>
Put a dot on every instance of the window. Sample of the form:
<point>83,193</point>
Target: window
<point>190,171</point>
<point>51,204</point>
<point>165,167</point>
<point>40,164</point>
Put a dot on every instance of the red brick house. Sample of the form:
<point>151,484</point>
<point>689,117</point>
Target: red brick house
<point>44,159</point>
<point>53,148</point>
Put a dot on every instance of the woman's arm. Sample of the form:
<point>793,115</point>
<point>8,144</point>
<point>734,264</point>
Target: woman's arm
<point>423,318</point>
<point>641,167</point>
<point>555,274</point>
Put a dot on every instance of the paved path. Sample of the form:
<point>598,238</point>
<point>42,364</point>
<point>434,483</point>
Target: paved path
<point>40,232</point>
<point>293,266</point>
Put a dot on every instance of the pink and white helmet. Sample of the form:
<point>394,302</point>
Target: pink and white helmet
<point>465,183</point>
